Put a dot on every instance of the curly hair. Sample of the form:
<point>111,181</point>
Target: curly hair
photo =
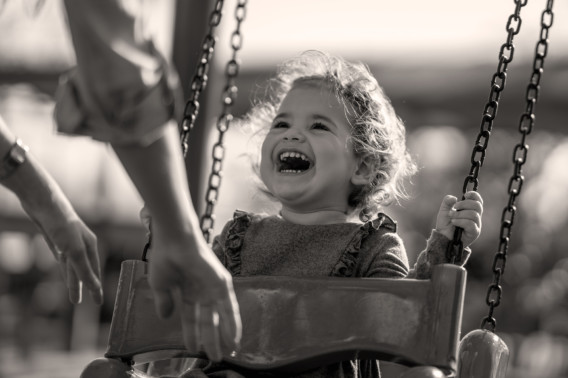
<point>377,134</point>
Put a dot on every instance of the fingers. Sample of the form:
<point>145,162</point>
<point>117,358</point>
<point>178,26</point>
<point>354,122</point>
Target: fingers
<point>473,203</point>
<point>73,284</point>
<point>200,328</point>
<point>190,314</point>
<point>448,203</point>
<point>208,325</point>
<point>94,285</point>
<point>230,321</point>
<point>473,195</point>
<point>467,213</point>
<point>469,226</point>
<point>83,270</point>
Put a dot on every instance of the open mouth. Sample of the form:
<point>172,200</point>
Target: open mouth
<point>293,162</point>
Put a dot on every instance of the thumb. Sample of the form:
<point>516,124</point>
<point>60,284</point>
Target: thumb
<point>164,303</point>
<point>448,202</point>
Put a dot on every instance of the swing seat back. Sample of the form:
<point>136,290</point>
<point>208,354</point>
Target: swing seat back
<point>293,324</point>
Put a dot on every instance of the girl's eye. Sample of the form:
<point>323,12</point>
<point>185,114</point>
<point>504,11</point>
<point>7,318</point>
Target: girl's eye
<point>280,125</point>
<point>320,126</point>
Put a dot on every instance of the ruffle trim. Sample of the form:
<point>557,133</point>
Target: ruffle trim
<point>234,241</point>
<point>345,267</point>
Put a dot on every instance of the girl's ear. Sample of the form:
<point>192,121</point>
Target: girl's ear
<point>363,174</point>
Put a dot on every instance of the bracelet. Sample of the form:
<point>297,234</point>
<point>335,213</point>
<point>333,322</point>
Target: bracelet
<point>15,157</point>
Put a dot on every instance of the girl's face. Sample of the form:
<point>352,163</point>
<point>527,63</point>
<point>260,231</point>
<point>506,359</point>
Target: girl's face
<point>307,159</point>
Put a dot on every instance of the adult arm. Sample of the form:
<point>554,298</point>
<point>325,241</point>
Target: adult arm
<point>124,92</point>
<point>183,269</point>
<point>73,244</point>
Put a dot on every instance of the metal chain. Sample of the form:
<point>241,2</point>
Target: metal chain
<point>526,123</point>
<point>506,52</point>
<point>223,122</point>
<point>199,81</point>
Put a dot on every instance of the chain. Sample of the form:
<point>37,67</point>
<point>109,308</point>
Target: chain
<point>526,123</point>
<point>506,52</point>
<point>229,97</point>
<point>199,81</point>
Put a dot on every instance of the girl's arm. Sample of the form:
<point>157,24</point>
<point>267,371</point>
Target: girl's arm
<point>73,244</point>
<point>390,260</point>
<point>435,253</point>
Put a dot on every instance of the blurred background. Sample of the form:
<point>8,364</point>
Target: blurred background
<point>435,60</point>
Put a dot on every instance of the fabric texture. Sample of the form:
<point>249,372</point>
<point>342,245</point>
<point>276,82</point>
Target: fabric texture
<point>123,90</point>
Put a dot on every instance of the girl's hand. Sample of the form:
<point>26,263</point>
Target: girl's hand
<point>465,214</point>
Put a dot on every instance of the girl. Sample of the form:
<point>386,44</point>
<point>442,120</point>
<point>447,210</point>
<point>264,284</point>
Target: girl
<point>333,150</point>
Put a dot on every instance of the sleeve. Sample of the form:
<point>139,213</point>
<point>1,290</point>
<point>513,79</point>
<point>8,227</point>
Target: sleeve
<point>389,259</point>
<point>123,90</point>
<point>435,253</point>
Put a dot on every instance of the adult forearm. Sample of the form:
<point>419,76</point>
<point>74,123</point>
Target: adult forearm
<point>39,194</point>
<point>158,172</point>
<point>37,191</point>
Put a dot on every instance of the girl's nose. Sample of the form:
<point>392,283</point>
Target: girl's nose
<point>293,134</point>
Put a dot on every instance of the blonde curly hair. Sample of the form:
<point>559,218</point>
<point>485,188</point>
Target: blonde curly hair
<point>377,134</point>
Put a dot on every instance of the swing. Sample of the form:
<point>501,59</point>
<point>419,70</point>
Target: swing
<point>415,323</point>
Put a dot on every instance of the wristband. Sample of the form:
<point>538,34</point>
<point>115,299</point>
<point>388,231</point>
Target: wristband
<point>15,157</point>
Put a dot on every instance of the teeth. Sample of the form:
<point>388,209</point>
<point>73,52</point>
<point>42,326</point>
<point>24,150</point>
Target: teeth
<point>298,155</point>
<point>290,171</point>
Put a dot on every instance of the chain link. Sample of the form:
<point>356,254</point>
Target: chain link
<point>471,182</point>
<point>229,97</point>
<point>199,81</point>
<point>526,123</point>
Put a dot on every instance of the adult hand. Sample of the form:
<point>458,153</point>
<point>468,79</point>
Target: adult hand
<point>186,273</point>
<point>465,214</point>
<point>191,276</point>
<point>74,246</point>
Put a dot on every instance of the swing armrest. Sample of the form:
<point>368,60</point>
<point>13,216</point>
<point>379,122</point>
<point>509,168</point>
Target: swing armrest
<point>292,324</point>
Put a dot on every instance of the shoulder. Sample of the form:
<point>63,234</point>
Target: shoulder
<point>383,222</point>
<point>380,229</point>
<point>243,220</point>
<point>382,251</point>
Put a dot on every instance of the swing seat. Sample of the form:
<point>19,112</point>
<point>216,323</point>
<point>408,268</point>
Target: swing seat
<point>294,324</point>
